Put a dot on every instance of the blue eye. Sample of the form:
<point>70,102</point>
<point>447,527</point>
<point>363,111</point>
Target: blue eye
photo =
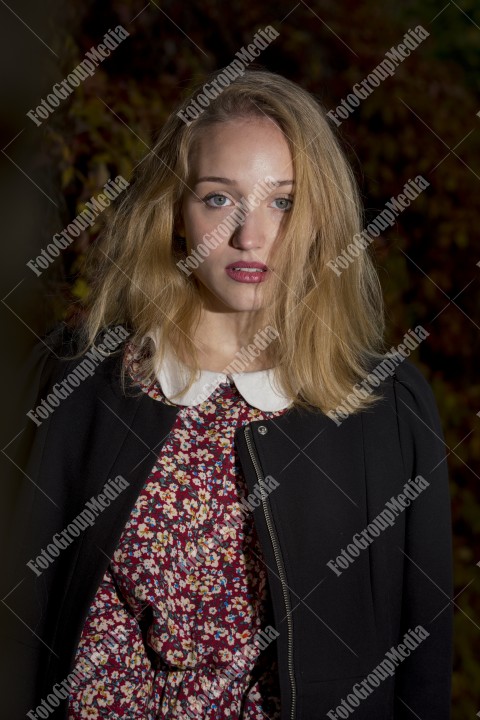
<point>214,197</point>
<point>287,204</point>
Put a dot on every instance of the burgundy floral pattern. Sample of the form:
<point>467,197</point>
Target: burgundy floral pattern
<point>171,628</point>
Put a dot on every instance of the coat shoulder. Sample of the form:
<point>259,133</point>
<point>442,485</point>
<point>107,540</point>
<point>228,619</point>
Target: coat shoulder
<point>64,348</point>
<point>412,388</point>
<point>418,417</point>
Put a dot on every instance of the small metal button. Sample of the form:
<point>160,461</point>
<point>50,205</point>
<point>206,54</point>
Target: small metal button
<point>262,429</point>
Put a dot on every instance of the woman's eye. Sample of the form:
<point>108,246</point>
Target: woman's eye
<point>284,203</point>
<point>216,201</point>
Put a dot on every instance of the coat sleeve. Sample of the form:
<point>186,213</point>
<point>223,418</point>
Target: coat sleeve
<point>423,679</point>
<point>19,632</point>
<point>39,372</point>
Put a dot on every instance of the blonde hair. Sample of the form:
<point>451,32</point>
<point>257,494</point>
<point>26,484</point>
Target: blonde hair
<point>330,326</point>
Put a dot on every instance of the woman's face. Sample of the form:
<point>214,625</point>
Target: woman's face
<point>231,161</point>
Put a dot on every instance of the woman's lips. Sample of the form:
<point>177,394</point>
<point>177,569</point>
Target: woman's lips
<point>244,275</point>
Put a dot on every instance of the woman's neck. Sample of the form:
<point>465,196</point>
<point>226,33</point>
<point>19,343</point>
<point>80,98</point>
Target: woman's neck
<point>221,339</point>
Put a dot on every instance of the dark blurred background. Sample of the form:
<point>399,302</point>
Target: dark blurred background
<point>425,119</point>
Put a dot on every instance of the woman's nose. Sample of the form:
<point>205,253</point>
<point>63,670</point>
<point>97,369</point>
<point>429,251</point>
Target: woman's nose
<point>252,232</point>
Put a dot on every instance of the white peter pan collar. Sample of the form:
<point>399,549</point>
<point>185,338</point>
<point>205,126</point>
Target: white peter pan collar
<point>258,388</point>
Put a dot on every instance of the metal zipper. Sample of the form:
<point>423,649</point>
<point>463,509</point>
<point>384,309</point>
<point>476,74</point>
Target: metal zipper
<point>280,566</point>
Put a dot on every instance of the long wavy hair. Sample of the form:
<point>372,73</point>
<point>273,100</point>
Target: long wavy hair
<point>330,326</point>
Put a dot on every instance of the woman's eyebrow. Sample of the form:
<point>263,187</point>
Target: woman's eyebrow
<point>228,181</point>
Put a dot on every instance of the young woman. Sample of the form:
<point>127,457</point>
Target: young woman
<point>237,504</point>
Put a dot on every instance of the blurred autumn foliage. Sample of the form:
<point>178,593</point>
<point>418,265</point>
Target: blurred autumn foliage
<point>423,120</point>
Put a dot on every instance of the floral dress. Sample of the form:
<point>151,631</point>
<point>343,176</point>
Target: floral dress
<point>174,627</point>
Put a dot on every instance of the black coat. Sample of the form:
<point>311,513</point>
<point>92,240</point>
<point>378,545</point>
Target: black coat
<point>335,625</point>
